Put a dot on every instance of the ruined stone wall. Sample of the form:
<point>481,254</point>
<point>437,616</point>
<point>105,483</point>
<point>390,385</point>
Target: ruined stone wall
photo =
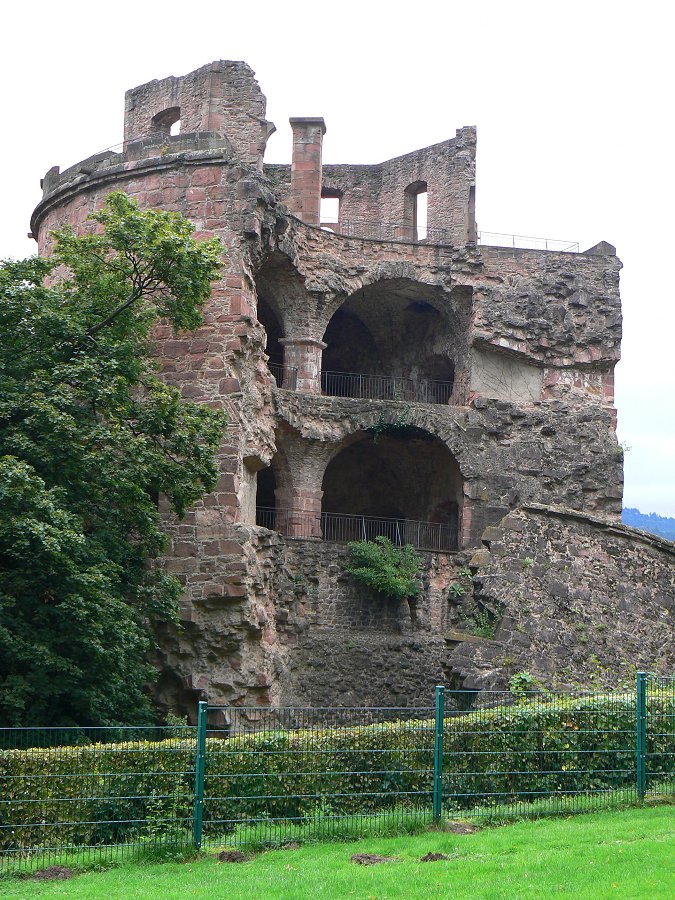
<point>222,97</point>
<point>575,600</point>
<point>533,338</point>
<point>294,625</point>
<point>506,454</point>
<point>580,601</point>
<point>379,193</point>
<point>558,308</point>
<point>357,647</point>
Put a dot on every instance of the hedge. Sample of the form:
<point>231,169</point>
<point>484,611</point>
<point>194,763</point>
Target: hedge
<point>113,793</point>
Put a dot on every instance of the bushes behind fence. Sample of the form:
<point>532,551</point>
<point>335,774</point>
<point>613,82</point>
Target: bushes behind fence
<point>112,793</point>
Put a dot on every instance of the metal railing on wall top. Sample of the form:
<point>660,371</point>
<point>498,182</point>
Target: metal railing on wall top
<point>385,387</point>
<point>342,528</point>
<point>411,234</point>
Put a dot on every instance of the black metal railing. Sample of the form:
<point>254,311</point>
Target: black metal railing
<point>342,528</point>
<point>285,376</point>
<point>384,387</point>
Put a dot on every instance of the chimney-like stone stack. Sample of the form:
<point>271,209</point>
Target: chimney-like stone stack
<point>305,199</point>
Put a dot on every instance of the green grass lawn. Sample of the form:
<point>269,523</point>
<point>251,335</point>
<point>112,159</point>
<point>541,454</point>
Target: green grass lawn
<point>628,854</point>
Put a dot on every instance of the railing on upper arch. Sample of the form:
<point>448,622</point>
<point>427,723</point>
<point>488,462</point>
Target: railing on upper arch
<point>385,387</point>
<point>342,528</point>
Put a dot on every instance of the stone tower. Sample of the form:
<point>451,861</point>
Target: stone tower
<point>386,370</point>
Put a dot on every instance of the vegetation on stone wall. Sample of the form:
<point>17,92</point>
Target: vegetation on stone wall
<point>89,438</point>
<point>391,571</point>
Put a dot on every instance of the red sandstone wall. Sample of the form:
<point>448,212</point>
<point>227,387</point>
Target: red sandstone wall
<point>221,363</point>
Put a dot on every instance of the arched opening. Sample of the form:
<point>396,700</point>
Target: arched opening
<point>166,122</point>
<point>395,340</point>
<point>280,291</point>
<point>401,482</point>
<point>265,498</point>
<point>415,210</point>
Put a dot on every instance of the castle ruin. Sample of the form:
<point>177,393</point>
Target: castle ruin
<point>384,372</point>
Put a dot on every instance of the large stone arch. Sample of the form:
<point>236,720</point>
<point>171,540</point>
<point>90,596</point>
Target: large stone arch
<point>381,272</point>
<point>400,481</point>
<point>397,338</point>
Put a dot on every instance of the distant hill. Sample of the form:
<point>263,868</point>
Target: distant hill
<point>659,525</point>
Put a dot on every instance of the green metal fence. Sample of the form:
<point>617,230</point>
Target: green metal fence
<point>76,794</point>
<point>261,775</point>
<point>656,702</point>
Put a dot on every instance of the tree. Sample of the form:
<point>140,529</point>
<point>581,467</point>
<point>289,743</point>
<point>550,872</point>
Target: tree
<point>89,437</point>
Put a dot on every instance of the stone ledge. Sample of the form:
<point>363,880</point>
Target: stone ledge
<point>122,171</point>
<point>461,637</point>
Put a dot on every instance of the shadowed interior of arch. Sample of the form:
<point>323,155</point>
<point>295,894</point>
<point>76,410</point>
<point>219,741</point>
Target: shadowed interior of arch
<point>406,478</point>
<point>389,340</point>
<point>279,291</point>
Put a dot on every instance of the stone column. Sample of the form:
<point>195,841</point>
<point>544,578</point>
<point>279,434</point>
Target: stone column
<point>304,356</point>
<point>299,512</point>
<point>305,198</point>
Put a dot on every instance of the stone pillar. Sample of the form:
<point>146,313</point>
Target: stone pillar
<point>304,355</point>
<point>305,198</point>
<point>299,512</point>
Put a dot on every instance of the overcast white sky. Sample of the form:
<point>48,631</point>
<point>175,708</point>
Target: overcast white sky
<point>573,103</point>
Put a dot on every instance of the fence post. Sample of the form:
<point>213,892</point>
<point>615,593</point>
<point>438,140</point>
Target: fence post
<point>438,753</point>
<point>200,758</point>
<point>641,733</point>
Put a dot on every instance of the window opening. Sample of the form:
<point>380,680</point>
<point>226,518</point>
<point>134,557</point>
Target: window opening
<point>330,208</point>
<point>415,211</point>
<point>167,122</point>
<point>421,215</point>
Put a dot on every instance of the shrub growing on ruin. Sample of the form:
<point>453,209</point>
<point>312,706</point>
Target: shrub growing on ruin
<point>390,571</point>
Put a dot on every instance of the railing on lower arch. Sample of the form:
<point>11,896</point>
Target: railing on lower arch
<point>385,387</point>
<point>341,528</point>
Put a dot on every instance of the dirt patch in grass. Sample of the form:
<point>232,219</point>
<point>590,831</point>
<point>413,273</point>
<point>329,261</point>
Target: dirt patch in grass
<point>433,857</point>
<point>52,873</point>
<point>460,828</point>
<point>370,859</point>
<point>231,856</point>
